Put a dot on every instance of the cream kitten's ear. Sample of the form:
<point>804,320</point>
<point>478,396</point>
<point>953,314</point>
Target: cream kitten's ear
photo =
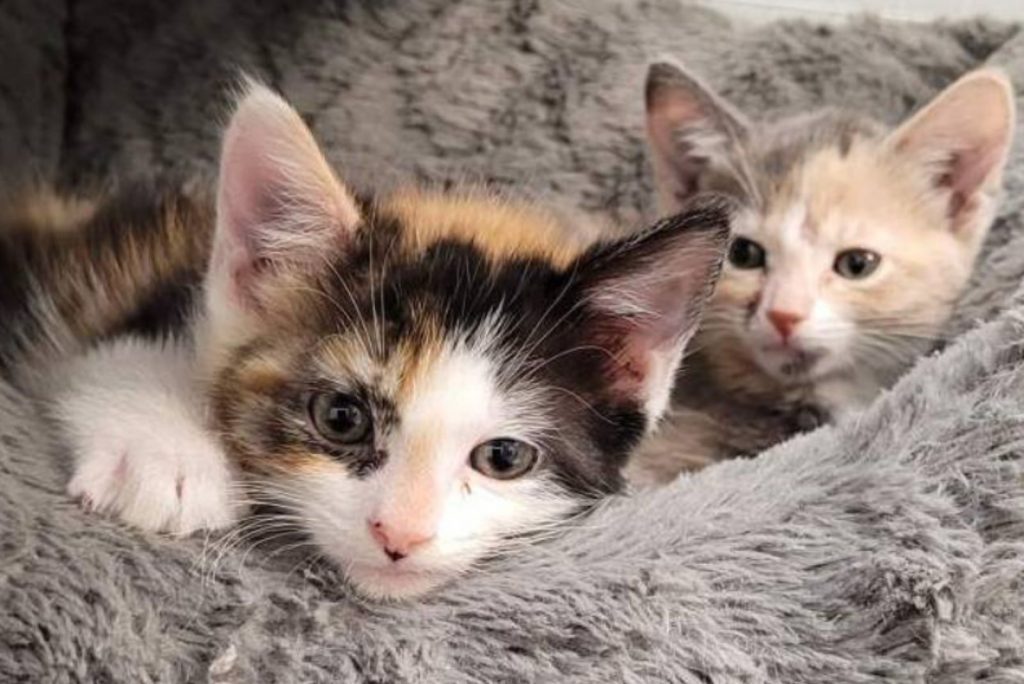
<point>688,127</point>
<point>279,205</point>
<point>645,295</point>
<point>962,138</point>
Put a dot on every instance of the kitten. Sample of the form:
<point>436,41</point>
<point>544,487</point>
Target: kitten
<point>410,379</point>
<point>851,246</point>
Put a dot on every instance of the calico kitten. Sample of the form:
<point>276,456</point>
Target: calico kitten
<point>851,246</point>
<point>410,379</point>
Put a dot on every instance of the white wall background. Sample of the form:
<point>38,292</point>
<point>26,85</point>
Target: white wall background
<point>837,10</point>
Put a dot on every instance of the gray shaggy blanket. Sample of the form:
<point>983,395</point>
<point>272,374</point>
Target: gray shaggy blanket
<point>888,548</point>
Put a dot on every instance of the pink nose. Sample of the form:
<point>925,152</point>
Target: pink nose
<point>397,542</point>
<point>785,322</point>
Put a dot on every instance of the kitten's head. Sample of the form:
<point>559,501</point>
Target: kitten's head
<point>417,379</point>
<point>853,241</point>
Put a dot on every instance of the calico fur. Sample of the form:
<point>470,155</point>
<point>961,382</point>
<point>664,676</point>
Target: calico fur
<point>183,337</point>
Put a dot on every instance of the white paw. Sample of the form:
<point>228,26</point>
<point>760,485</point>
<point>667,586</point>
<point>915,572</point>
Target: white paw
<point>159,482</point>
<point>142,453</point>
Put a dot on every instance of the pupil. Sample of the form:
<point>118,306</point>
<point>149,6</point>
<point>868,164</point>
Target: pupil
<point>503,456</point>
<point>342,417</point>
<point>741,252</point>
<point>746,254</point>
<point>345,418</point>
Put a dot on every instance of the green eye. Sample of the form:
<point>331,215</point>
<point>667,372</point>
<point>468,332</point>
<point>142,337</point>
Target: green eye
<point>503,459</point>
<point>746,254</point>
<point>340,418</point>
<point>856,263</point>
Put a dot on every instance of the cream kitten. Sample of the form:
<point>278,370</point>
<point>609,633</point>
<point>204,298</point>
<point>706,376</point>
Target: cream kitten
<point>410,379</point>
<point>852,245</point>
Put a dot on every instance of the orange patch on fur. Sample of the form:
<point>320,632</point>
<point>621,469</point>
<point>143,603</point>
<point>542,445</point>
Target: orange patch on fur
<point>45,211</point>
<point>296,461</point>
<point>262,375</point>
<point>414,359</point>
<point>500,229</point>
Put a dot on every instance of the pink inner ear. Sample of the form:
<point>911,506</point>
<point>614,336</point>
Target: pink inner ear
<point>671,110</point>
<point>648,306</point>
<point>634,365</point>
<point>687,126</point>
<point>639,338</point>
<point>278,200</point>
<point>243,206</point>
<point>968,172</point>
<point>962,136</point>
<point>248,185</point>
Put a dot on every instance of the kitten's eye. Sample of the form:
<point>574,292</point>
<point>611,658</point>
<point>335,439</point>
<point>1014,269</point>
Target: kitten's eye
<point>503,459</point>
<point>340,418</point>
<point>856,263</point>
<point>744,253</point>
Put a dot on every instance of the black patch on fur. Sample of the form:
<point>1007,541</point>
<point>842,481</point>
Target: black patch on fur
<point>122,248</point>
<point>137,214</point>
<point>164,313</point>
<point>20,324</point>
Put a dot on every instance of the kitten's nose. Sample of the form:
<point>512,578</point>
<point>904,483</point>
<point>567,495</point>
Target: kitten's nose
<point>397,542</point>
<point>784,322</point>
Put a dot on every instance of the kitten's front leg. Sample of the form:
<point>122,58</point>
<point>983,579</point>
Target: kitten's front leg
<point>133,418</point>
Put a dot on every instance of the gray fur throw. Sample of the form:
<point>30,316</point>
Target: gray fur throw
<point>887,548</point>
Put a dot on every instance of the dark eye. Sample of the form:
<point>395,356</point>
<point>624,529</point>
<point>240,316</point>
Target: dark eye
<point>340,418</point>
<point>503,459</point>
<point>744,253</point>
<point>856,263</point>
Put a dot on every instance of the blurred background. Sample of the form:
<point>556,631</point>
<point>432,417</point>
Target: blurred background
<point>837,10</point>
<point>541,97</point>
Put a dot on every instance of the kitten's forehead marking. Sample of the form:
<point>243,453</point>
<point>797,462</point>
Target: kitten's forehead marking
<point>449,403</point>
<point>825,189</point>
<point>788,147</point>
<point>794,227</point>
<point>440,384</point>
<point>501,230</point>
<point>263,373</point>
<point>349,356</point>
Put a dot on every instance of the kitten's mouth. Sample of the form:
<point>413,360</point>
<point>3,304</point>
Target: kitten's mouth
<point>801,362</point>
<point>790,362</point>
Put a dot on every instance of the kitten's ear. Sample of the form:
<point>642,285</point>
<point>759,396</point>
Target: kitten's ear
<point>688,127</point>
<point>644,296</point>
<point>279,205</point>
<point>962,138</point>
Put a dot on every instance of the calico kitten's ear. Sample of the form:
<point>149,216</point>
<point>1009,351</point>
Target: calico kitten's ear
<point>644,296</point>
<point>278,204</point>
<point>961,139</point>
<point>688,127</point>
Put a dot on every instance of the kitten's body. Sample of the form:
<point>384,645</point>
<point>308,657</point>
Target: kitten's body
<point>128,264</point>
<point>409,379</point>
<point>793,337</point>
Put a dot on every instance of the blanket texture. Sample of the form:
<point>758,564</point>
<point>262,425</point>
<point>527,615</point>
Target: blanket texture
<point>887,548</point>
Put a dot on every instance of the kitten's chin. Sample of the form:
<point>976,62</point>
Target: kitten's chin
<point>787,364</point>
<point>393,581</point>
